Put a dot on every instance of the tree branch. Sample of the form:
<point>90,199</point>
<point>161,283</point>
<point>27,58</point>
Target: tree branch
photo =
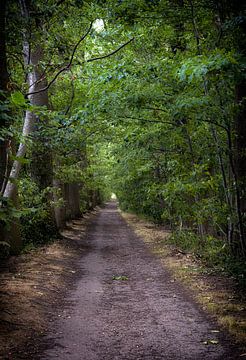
<point>72,96</point>
<point>155,109</point>
<point>66,67</point>
<point>18,59</point>
<point>112,53</point>
<point>147,120</point>
<point>216,124</point>
<point>86,137</point>
<point>207,121</point>
<point>176,151</point>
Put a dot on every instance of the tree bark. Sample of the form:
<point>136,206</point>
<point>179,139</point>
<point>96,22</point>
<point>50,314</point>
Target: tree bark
<point>4,78</point>
<point>43,161</point>
<point>10,233</point>
<point>239,8</point>
<point>30,118</point>
<point>72,197</point>
<point>60,210</point>
<point>240,159</point>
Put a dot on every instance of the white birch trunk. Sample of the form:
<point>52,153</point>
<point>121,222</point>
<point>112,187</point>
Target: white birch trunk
<point>29,120</point>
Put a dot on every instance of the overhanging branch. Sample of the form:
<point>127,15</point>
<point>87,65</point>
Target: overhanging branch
<point>66,67</point>
<point>112,53</point>
<point>148,121</point>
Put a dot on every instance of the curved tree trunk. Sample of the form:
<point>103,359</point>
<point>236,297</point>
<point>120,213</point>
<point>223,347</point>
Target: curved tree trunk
<point>42,161</point>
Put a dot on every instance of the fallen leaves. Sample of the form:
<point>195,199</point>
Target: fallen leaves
<point>211,342</point>
<point>120,277</point>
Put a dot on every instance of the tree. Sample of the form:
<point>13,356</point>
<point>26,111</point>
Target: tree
<point>137,102</point>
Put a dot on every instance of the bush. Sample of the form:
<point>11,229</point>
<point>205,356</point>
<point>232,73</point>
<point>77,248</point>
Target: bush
<point>37,222</point>
<point>37,230</point>
<point>214,252</point>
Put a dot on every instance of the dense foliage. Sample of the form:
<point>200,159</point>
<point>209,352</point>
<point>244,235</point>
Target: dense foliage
<point>147,102</point>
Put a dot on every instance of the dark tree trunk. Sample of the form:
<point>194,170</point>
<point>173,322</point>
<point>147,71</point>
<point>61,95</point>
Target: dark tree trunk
<point>72,197</point>
<point>239,8</point>
<point>240,159</point>
<point>60,209</point>
<point>10,234</point>
<point>41,157</point>
<point>240,141</point>
<point>41,163</point>
<point>4,78</point>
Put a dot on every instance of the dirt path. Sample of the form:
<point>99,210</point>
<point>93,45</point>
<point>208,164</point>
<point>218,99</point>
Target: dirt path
<point>126,306</point>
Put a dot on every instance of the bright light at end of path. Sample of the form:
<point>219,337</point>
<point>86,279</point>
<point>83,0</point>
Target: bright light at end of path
<point>113,196</point>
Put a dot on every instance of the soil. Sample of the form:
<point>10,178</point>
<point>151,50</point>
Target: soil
<point>105,296</point>
<point>216,291</point>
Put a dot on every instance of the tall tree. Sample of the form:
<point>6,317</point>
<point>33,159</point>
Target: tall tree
<point>4,80</point>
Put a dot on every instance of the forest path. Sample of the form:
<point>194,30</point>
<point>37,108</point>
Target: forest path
<point>126,306</point>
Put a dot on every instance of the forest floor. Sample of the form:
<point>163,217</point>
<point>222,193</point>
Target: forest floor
<point>107,292</point>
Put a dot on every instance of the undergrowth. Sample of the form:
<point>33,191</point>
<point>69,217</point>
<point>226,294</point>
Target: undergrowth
<point>213,252</point>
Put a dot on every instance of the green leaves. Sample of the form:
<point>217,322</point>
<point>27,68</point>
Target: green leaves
<point>211,342</point>
<point>150,123</point>
<point>18,99</point>
<point>120,277</point>
<point>196,68</point>
<point>20,159</point>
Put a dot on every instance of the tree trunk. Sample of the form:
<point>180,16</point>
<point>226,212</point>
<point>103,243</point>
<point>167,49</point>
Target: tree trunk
<point>4,78</point>
<point>60,210</point>
<point>41,156</point>
<point>10,233</point>
<point>72,197</point>
<point>30,118</point>
<point>240,159</point>
<point>43,162</point>
<point>239,8</point>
